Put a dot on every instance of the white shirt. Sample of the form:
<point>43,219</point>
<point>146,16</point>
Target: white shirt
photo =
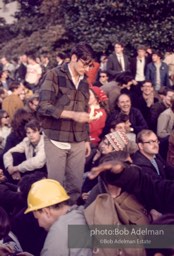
<point>140,70</point>
<point>121,61</point>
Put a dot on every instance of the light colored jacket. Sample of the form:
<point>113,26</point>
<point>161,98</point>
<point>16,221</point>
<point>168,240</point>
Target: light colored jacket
<point>32,162</point>
<point>165,123</point>
<point>56,242</point>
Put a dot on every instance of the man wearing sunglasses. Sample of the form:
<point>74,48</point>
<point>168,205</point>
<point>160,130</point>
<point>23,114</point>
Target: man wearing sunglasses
<point>63,108</point>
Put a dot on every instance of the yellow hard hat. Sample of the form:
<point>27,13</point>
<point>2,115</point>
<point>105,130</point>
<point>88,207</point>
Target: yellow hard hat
<point>44,193</point>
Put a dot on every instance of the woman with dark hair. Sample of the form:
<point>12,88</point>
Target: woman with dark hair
<point>5,128</point>
<point>17,134</point>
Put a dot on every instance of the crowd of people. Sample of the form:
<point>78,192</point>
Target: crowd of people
<point>115,116</point>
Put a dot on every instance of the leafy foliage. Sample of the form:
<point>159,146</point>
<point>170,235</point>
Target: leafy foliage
<point>54,25</point>
<point>103,21</point>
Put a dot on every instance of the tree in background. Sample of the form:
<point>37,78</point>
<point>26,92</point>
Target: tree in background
<point>49,26</point>
<point>133,22</point>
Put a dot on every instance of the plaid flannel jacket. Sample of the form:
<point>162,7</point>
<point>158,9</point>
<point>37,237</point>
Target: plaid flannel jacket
<point>58,93</point>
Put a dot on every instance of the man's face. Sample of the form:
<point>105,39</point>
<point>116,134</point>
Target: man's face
<point>155,57</point>
<point>3,61</point>
<point>105,147</point>
<point>80,66</point>
<point>141,53</point>
<point>149,145</point>
<point>33,136</point>
<point>103,78</point>
<point>20,89</point>
<point>34,104</point>
<point>124,104</point>
<point>147,88</point>
<point>120,127</point>
<point>23,58</point>
<point>118,49</point>
<point>168,97</point>
<point>42,218</point>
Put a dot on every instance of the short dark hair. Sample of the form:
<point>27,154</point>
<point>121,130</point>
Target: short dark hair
<point>158,53</point>
<point>14,85</point>
<point>103,72</point>
<point>34,125</point>
<point>120,118</point>
<point>83,51</point>
<point>119,43</point>
<point>27,180</point>
<point>147,81</point>
<point>61,55</point>
<point>31,55</point>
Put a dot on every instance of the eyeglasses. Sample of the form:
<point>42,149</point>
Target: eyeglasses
<point>105,142</point>
<point>87,64</point>
<point>150,142</point>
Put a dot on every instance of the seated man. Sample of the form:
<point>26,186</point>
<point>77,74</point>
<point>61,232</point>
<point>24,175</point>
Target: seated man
<point>119,207</point>
<point>48,201</point>
<point>122,123</point>
<point>33,147</point>
<point>148,158</point>
<point>115,141</point>
<point>146,100</point>
<point>124,105</point>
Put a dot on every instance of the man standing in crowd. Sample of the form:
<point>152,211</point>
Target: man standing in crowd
<point>63,106</point>
<point>157,72</point>
<point>118,63</point>
<point>138,68</point>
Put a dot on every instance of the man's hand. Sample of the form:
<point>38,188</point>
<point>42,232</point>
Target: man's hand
<point>24,254</point>
<point>6,250</point>
<point>12,169</point>
<point>115,166</point>
<point>88,149</point>
<point>2,176</point>
<point>16,176</point>
<point>81,117</point>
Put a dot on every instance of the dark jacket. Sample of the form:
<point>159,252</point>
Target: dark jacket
<point>155,111</point>
<point>114,68</point>
<point>58,93</point>
<point>151,74</point>
<point>20,72</point>
<point>135,117</point>
<point>28,232</point>
<point>155,193</point>
<point>133,66</point>
<point>141,104</point>
<point>147,167</point>
<point>10,199</point>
